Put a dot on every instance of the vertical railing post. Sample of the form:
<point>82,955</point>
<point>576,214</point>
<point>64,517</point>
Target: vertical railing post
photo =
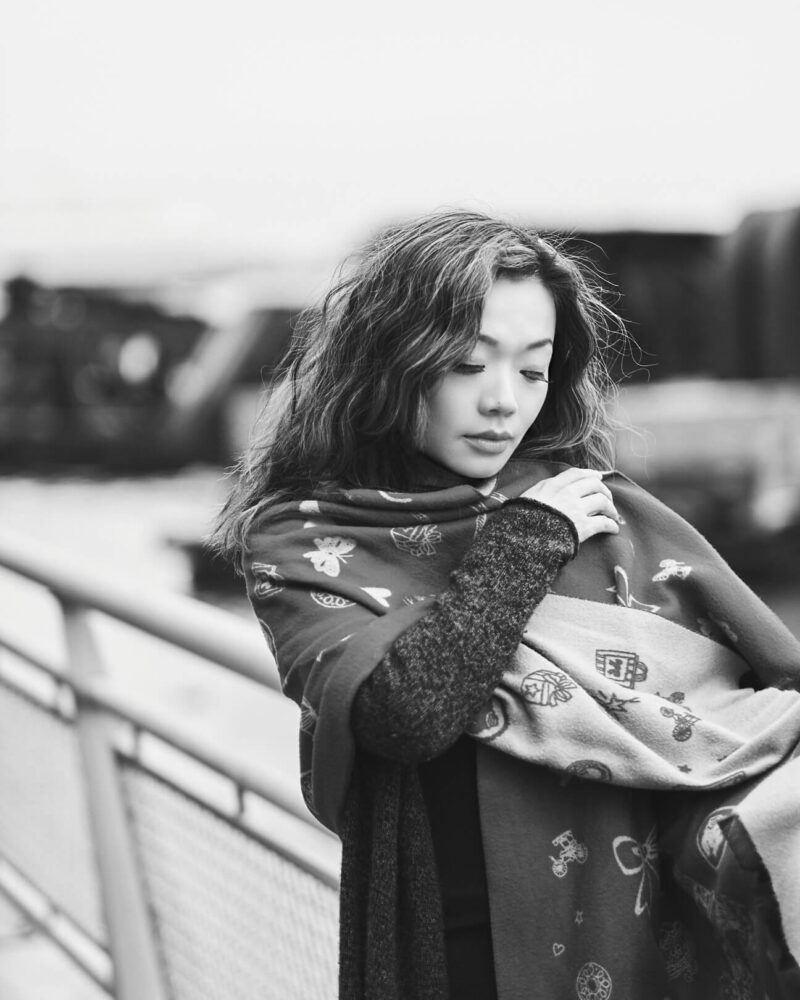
<point>138,971</point>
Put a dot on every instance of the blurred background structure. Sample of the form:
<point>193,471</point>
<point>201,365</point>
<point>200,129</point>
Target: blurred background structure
<point>178,181</point>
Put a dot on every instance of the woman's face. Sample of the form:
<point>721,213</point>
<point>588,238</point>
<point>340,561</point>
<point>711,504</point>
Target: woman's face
<point>480,411</point>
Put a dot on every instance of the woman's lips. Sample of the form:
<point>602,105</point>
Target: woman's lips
<point>487,445</point>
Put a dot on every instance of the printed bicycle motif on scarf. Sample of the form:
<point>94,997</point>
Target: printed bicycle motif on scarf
<point>570,850</point>
<point>684,720</point>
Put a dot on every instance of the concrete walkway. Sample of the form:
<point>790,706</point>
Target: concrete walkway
<point>33,968</point>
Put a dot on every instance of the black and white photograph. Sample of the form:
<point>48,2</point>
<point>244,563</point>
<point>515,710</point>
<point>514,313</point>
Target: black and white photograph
<point>399,500</point>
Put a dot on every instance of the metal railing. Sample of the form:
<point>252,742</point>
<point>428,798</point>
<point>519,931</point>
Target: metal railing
<point>194,876</point>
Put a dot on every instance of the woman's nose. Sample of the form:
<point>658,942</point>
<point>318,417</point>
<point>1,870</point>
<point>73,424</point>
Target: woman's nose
<point>498,397</point>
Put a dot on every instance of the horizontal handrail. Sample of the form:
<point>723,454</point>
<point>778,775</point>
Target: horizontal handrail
<point>99,691</point>
<point>183,621</point>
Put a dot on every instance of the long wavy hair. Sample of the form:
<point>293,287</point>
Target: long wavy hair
<point>349,408</point>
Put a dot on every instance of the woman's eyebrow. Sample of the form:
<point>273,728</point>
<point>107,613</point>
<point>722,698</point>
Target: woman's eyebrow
<point>484,338</point>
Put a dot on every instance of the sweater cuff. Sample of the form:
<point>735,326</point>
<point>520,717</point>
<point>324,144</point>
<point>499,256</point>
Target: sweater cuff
<point>533,502</point>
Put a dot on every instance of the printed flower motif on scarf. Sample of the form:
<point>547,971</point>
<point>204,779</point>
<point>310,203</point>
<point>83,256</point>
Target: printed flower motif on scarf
<point>684,720</point>
<point>711,840</point>
<point>331,554</point>
<point>267,577</point>
<point>593,982</point>
<point>547,688</point>
<point>617,665</point>
<point>680,956</point>
<point>333,601</point>
<point>570,850</point>
<point>625,597</point>
<point>613,704</point>
<point>635,858</point>
<point>419,541</point>
<point>670,568</point>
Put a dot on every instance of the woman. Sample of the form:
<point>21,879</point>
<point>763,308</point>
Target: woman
<point>528,691</point>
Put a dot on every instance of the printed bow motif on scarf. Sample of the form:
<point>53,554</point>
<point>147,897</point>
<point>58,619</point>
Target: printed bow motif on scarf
<point>636,858</point>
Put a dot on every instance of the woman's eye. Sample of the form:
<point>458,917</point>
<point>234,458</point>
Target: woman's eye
<point>534,376</point>
<point>468,369</point>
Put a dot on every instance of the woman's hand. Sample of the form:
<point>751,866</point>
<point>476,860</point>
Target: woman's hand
<point>583,497</point>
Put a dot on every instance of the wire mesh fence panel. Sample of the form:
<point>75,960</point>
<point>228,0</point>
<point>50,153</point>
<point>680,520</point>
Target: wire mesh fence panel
<point>236,918</point>
<point>44,828</point>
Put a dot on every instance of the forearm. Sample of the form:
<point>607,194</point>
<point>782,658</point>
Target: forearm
<point>419,698</point>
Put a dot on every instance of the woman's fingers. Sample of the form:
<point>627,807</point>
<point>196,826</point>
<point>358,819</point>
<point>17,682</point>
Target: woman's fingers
<point>597,524</point>
<point>600,503</point>
<point>583,497</point>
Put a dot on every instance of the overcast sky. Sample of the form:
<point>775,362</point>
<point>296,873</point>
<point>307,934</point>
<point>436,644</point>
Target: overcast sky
<point>165,130</point>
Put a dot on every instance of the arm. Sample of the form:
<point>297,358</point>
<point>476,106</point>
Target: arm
<point>417,701</point>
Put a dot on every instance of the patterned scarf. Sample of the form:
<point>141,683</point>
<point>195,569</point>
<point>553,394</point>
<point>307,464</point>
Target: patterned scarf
<point>640,821</point>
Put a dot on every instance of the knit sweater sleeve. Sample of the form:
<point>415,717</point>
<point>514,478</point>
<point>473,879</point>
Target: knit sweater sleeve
<point>418,700</point>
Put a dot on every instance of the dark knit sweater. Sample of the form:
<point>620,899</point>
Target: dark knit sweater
<point>441,670</point>
<point>413,707</point>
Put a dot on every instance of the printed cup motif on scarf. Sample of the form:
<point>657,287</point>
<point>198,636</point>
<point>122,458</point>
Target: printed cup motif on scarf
<point>670,568</point>
<point>267,580</point>
<point>620,666</point>
<point>547,688</point>
<point>331,554</point>
<point>711,840</point>
<point>593,982</point>
<point>570,850</point>
<point>419,541</point>
<point>635,858</point>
